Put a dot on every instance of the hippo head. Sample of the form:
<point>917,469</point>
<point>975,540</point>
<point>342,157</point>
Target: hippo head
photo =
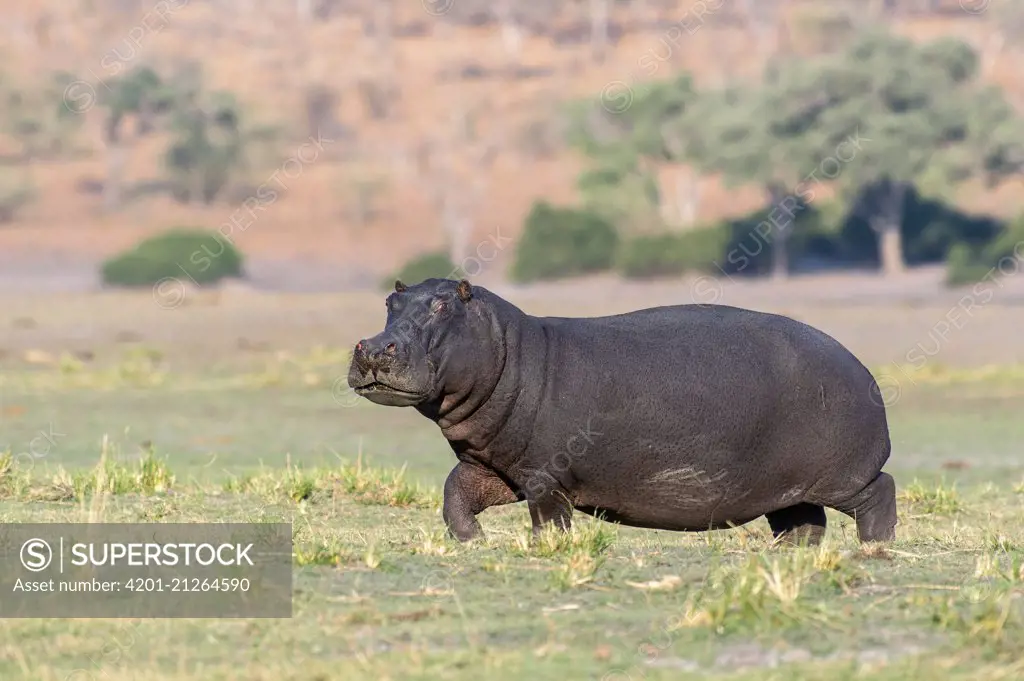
<point>429,331</point>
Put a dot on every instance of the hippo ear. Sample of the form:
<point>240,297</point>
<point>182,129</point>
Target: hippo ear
<point>464,290</point>
<point>399,286</point>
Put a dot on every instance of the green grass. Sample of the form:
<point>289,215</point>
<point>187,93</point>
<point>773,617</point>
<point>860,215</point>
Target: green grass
<point>210,423</point>
<point>382,593</point>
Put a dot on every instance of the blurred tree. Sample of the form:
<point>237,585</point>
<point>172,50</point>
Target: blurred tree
<point>881,117</point>
<point>624,134</point>
<point>456,189</point>
<point>140,94</point>
<point>40,124</point>
<point>925,122</point>
<point>211,143</point>
<point>37,118</point>
<point>760,136</point>
<point>365,178</point>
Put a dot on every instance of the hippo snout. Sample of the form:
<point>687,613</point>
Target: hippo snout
<point>387,371</point>
<point>374,355</point>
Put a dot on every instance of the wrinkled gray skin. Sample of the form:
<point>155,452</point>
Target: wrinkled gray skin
<point>691,417</point>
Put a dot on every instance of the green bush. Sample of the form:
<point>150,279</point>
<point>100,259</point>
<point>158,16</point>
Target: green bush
<point>962,266</point>
<point>665,255</point>
<point>968,263</point>
<point>422,267</point>
<point>199,255</point>
<point>563,242</point>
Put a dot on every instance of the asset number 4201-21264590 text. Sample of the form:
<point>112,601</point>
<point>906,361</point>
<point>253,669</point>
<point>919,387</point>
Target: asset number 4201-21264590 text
<point>187,584</point>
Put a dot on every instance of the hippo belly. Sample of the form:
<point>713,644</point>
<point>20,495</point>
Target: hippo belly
<point>710,428</point>
<point>682,499</point>
<point>685,489</point>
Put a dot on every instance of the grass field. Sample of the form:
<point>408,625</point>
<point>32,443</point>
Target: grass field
<point>380,593</point>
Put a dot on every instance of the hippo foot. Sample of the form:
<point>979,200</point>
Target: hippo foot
<point>803,524</point>
<point>464,533</point>
<point>550,510</point>
<point>874,509</point>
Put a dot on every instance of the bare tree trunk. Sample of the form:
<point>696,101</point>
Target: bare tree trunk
<point>512,41</point>
<point>991,51</point>
<point>115,168</point>
<point>780,256</point>
<point>640,12</point>
<point>511,33</point>
<point>688,195</point>
<point>684,207</point>
<point>302,51</point>
<point>112,187</point>
<point>198,197</point>
<point>599,29</point>
<point>383,27</point>
<point>472,195</point>
<point>680,203</point>
<point>456,222</point>
<point>780,235</point>
<point>888,223</point>
<point>668,202</point>
<point>891,248</point>
<point>458,238</point>
<point>875,10</point>
<point>762,20</point>
<point>449,223</point>
<point>448,200</point>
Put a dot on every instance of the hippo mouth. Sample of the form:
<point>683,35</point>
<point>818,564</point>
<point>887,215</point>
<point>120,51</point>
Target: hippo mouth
<point>382,393</point>
<point>378,387</point>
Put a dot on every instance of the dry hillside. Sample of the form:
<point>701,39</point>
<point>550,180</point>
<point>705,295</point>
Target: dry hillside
<point>434,119</point>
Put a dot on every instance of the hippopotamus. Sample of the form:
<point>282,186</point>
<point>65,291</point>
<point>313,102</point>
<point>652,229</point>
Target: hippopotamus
<point>684,417</point>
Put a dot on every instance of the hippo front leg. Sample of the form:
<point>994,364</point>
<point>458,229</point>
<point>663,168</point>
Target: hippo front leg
<point>470,490</point>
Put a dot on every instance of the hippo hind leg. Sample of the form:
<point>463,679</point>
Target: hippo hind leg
<point>874,509</point>
<point>799,524</point>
